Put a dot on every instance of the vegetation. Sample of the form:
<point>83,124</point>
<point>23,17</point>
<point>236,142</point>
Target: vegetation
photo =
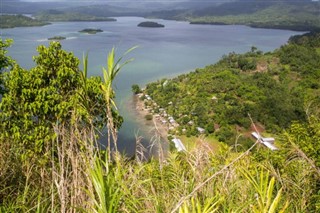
<point>273,88</point>
<point>91,31</point>
<point>10,21</point>
<point>57,15</point>
<point>149,117</point>
<point>42,111</point>
<point>150,24</point>
<point>136,89</point>
<point>6,62</point>
<point>57,38</point>
<point>50,93</point>
<point>291,15</point>
<point>103,10</point>
<point>50,116</point>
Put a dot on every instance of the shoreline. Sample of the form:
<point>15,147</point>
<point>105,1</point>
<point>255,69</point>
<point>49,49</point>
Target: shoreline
<point>157,128</point>
<point>157,133</point>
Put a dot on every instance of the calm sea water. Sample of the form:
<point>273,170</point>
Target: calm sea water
<point>163,52</point>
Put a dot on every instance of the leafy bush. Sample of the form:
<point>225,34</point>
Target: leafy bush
<point>148,117</point>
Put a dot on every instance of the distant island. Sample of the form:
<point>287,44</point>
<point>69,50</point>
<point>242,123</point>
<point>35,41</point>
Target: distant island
<point>91,31</point>
<point>11,21</point>
<point>290,15</point>
<point>56,15</point>
<point>150,24</point>
<point>57,38</point>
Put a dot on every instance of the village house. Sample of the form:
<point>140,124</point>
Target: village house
<point>201,130</point>
<point>268,142</point>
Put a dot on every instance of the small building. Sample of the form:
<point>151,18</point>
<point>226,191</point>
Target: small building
<point>172,121</point>
<point>201,130</point>
<point>190,123</point>
<point>268,142</point>
<point>179,145</point>
<point>214,98</point>
<point>163,121</point>
<point>165,83</point>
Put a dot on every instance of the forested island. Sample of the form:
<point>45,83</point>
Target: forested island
<point>150,24</point>
<point>91,31</point>
<point>57,38</point>
<point>11,21</point>
<point>52,114</point>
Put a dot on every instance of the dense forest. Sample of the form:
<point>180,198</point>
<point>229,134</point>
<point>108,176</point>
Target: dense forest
<point>289,14</point>
<point>274,88</point>
<point>294,15</point>
<point>43,18</point>
<point>50,117</point>
<point>57,15</point>
<point>10,21</point>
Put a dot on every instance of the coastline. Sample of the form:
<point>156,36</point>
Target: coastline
<point>157,128</point>
<point>156,132</point>
<point>161,124</point>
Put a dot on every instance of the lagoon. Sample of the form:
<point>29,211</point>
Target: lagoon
<point>166,52</point>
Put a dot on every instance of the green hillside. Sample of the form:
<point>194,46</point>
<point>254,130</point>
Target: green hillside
<point>57,15</point>
<point>292,15</point>
<point>51,117</point>
<point>10,21</point>
<point>273,88</point>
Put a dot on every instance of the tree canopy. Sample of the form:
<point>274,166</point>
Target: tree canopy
<point>53,92</point>
<point>6,62</point>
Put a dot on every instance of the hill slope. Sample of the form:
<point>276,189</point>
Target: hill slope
<point>303,15</point>
<point>10,21</point>
<point>272,87</point>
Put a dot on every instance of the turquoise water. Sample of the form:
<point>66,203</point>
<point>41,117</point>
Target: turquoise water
<point>162,52</point>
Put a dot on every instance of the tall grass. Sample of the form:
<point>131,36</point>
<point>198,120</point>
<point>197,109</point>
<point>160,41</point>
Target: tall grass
<point>81,178</point>
<point>84,180</point>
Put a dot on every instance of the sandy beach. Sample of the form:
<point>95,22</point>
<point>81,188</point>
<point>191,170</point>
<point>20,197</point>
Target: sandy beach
<point>155,129</point>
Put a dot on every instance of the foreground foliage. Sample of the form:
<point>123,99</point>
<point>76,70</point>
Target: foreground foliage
<point>49,161</point>
<point>84,180</point>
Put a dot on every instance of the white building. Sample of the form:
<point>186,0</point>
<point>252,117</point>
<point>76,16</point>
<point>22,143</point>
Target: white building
<point>268,142</point>
<point>201,130</point>
<point>179,145</point>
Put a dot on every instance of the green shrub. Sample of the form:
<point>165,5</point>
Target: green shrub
<point>148,117</point>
